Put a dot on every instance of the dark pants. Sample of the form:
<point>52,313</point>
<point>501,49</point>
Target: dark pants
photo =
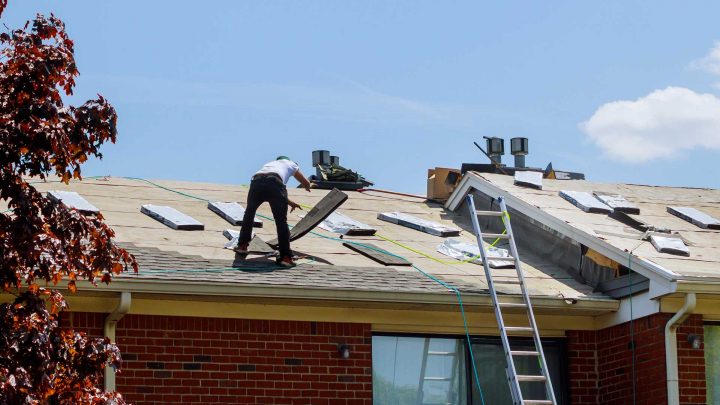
<point>268,189</point>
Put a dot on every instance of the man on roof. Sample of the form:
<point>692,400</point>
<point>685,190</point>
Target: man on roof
<point>268,185</point>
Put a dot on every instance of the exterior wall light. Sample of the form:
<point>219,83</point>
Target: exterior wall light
<point>344,351</point>
<point>694,340</point>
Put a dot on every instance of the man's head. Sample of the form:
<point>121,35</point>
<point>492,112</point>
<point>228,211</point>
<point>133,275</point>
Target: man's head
<point>282,157</point>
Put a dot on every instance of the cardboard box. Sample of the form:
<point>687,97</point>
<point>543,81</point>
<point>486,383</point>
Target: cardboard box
<point>441,182</point>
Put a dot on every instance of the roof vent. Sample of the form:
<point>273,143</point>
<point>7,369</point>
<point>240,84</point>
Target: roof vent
<point>519,149</point>
<point>495,148</point>
<point>329,174</point>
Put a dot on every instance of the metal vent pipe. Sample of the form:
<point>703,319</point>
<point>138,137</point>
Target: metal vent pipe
<point>495,148</point>
<point>519,149</point>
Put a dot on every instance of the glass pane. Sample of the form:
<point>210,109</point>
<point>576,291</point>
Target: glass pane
<point>712,363</point>
<point>418,371</point>
<point>490,362</point>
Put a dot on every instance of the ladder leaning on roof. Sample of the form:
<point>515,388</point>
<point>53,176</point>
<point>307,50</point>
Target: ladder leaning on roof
<point>514,379</point>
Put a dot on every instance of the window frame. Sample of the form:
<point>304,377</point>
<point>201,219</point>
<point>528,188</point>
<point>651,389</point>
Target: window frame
<point>559,342</point>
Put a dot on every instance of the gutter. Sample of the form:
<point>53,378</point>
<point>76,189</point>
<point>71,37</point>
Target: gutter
<point>109,331</point>
<point>224,291</point>
<point>671,362</point>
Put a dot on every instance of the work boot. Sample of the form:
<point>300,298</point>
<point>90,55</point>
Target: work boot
<point>286,261</point>
<point>241,248</point>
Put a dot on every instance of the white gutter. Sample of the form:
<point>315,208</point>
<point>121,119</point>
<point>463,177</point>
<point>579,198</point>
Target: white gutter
<point>109,331</point>
<point>671,363</point>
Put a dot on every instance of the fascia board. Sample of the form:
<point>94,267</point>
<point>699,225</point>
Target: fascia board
<point>698,286</point>
<point>184,288</point>
<point>662,277</point>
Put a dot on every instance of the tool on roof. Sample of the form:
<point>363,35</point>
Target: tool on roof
<point>515,380</point>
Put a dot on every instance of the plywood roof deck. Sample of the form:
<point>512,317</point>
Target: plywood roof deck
<point>704,244</point>
<point>119,200</point>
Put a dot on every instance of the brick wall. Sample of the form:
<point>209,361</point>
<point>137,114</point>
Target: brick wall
<point>601,367</point>
<point>220,361</point>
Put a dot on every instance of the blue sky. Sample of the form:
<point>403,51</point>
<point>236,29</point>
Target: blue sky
<point>624,91</point>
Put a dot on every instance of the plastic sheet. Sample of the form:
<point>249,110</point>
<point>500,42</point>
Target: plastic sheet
<point>461,250</point>
<point>344,225</point>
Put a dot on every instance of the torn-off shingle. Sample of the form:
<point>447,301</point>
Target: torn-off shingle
<point>669,244</point>
<point>695,216</point>
<point>72,199</point>
<point>585,201</point>
<point>422,225</point>
<point>526,178</point>
<point>172,217</point>
<point>617,202</point>
<point>231,234</point>
<point>231,212</point>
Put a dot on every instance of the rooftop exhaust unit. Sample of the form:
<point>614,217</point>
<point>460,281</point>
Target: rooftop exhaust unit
<point>519,149</point>
<point>329,174</point>
<point>495,148</point>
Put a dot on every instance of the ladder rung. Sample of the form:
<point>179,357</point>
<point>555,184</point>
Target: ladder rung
<point>512,304</point>
<point>502,258</point>
<point>489,213</point>
<point>531,378</point>
<point>524,353</point>
<point>437,378</point>
<point>537,402</point>
<point>518,329</point>
<point>496,235</point>
<point>516,282</point>
<point>438,353</point>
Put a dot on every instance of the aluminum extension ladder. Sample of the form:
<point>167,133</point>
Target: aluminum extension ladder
<point>513,378</point>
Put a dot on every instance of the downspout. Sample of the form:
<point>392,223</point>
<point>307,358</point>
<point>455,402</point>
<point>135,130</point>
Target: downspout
<point>109,330</point>
<point>671,362</point>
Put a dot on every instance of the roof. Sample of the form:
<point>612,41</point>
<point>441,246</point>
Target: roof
<point>609,236</point>
<point>163,252</point>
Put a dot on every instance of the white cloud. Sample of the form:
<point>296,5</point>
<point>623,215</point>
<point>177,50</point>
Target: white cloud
<point>658,125</point>
<point>710,62</point>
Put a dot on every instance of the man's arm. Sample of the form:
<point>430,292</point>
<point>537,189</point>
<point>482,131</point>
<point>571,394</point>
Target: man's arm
<point>303,181</point>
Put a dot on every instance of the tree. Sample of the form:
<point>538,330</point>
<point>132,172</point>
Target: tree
<point>43,243</point>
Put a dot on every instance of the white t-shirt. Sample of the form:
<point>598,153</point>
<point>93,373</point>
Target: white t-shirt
<point>283,168</point>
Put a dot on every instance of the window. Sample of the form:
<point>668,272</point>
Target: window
<point>712,363</point>
<point>490,361</point>
<point>418,371</point>
<point>412,370</point>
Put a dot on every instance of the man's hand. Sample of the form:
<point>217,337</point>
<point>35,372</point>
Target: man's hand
<point>294,205</point>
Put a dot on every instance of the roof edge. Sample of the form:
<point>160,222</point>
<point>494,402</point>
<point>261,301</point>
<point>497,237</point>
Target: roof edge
<point>391,298</point>
<point>660,276</point>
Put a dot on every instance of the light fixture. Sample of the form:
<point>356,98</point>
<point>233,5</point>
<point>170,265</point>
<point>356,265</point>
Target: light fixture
<point>344,350</point>
<point>694,340</point>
